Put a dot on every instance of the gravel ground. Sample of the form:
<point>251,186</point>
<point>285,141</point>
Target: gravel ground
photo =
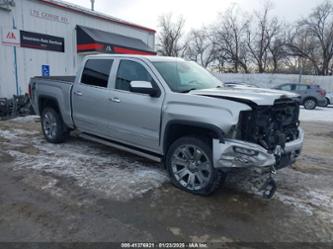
<point>82,191</point>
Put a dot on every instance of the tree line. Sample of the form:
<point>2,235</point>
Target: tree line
<point>254,42</point>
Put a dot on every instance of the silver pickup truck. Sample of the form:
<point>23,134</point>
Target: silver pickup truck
<point>172,111</point>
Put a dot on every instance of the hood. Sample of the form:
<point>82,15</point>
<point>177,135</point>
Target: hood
<point>259,96</point>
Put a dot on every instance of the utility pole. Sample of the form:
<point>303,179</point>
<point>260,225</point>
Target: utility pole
<point>18,89</point>
<point>301,62</point>
<point>92,5</point>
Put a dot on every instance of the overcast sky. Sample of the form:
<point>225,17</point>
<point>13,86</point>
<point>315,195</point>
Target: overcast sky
<point>196,12</point>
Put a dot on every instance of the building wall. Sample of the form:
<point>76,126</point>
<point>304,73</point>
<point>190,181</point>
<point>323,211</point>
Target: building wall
<point>271,80</point>
<point>61,24</point>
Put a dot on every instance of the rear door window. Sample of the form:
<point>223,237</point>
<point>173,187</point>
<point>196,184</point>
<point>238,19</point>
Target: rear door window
<point>96,72</point>
<point>302,87</point>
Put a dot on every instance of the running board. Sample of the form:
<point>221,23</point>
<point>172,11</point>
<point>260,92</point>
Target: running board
<point>120,147</point>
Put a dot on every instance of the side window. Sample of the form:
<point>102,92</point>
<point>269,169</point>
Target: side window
<point>302,87</point>
<point>96,72</point>
<point>286,87</point>
<point>131,71</point>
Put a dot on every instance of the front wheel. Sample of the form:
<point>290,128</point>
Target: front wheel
<point>190,165</point>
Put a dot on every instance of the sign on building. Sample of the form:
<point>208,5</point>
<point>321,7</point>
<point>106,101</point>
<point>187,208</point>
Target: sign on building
<point>7,4</point>
<point>42,41</point>
<point>10,37</point>
<point>45,70</point>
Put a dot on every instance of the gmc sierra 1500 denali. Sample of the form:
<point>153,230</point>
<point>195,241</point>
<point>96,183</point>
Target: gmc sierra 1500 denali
<point>173,111</point>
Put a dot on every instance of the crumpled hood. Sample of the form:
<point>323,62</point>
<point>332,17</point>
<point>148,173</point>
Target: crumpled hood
<point>260,96</point>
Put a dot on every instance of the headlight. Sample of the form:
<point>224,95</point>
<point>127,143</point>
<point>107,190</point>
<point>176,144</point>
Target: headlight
<point>244,151</point>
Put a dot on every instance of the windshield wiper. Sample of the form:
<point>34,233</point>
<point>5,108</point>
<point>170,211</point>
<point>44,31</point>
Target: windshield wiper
<point>186,91</point>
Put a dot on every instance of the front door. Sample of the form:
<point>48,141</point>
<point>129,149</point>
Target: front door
<point>135,117</point>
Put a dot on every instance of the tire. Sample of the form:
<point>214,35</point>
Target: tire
<point>190,171</point>
<point>310,103</point>
<point>327,102</point>
<point>53,127</point>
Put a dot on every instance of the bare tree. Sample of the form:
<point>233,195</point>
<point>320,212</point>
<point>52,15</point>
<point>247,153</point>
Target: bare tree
<point>313,38</point>
<point>230,35</point>
<point>200,47</point>
<point>260,35</point>
<point>170,36</point>
<point>278,52</point>
<point>303,46</point>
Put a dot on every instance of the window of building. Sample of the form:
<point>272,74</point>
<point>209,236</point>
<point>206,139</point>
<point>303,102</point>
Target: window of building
<point>96,72</point>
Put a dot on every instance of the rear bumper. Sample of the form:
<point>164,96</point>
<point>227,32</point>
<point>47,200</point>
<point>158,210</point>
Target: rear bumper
<point>239,154</point>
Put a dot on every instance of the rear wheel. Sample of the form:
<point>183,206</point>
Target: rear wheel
<point>310,103</point>
<point>53,127</point>
<point>190,165</point>
<point>326,103</point>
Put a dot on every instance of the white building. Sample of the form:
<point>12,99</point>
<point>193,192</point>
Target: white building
<point>48,37</point>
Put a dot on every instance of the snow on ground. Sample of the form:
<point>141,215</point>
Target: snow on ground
<point>120,176</point>
<point>310,196</point>
<point>25,119</point>
<point>116,175</point>
<point>319,114</point>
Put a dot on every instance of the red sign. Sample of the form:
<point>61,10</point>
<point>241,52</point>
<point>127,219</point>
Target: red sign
<point>11,37</point>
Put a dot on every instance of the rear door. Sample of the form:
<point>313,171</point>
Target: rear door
<point>90,97</point>
<point>136,117</point>
<point>302,90</point>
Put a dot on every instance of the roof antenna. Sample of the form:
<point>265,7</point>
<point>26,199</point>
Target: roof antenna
<point>92,5</point>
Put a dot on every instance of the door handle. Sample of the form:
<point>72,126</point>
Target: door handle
<point>115,99</point>
<point>78,93</point>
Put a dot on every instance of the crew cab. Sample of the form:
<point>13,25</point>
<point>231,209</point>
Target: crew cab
<point>172,111</point>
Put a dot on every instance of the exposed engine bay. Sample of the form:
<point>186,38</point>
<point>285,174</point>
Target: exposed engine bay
<point>270,126</point>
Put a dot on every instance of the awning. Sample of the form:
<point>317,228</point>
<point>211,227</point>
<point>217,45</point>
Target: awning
<point>89,39</point>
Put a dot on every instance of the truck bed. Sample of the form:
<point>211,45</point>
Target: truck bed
<point>58,88</point>
<point>68,79</point>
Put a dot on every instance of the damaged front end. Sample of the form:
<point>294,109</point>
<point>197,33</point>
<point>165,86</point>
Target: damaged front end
<point>266,136</point>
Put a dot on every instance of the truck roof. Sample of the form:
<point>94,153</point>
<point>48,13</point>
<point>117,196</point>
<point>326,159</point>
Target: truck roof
<point>145,57</point>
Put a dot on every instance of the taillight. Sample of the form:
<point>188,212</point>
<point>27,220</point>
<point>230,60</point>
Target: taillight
<point>322,92</point>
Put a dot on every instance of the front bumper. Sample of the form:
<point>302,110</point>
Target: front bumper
<point>239,154</point>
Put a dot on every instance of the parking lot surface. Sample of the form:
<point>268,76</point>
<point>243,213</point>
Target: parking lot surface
<point>83,191</point>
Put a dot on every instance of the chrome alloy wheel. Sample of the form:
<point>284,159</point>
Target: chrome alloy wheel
<point>310,104</point>
<point>191,167</point>
<point>50,125</point>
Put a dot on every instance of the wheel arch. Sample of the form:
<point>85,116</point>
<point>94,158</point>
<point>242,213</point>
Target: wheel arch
<point>310,97</point>
<point>328,100</point>
<point>180,128</point>
<point>47,101</point>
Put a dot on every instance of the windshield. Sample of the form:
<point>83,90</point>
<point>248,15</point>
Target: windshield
<point>184,76</point>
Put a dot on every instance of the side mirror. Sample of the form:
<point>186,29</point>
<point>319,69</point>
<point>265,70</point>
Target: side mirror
<point>144,87</point>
